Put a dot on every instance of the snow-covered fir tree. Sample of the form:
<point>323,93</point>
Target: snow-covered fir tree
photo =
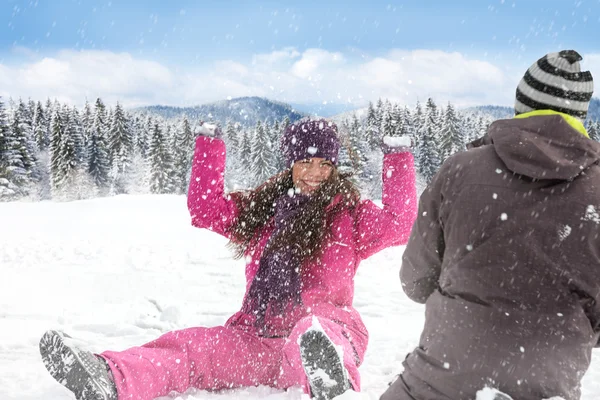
<point>59,170</point>
<point>87,123</point>
<point>98,155</point>
<point>246,156</point>
<point>40,128</point>
<point>372,127</point>
<point>23,133</point>
<point>429,156</point>
<point>276,132</point>
<point>13,176</point>
<point>120,148</point>
<point>451,138</point>
<point>161,162</point>
<point>183,151</point>
<point>593,129</point>
<point>262,159</point>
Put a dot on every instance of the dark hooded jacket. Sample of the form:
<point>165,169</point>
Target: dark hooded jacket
<point>505,254</point>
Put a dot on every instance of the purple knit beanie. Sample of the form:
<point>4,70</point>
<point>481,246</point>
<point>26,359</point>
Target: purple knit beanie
<point>310,138</point>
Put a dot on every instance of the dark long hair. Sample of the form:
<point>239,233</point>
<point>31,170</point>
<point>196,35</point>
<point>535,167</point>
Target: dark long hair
<point>307,233</point>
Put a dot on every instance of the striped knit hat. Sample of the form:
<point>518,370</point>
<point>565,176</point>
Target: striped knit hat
<point>555,82</point>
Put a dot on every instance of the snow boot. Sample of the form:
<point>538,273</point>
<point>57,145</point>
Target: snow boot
<point>83,373</point>
<point>323,366</point>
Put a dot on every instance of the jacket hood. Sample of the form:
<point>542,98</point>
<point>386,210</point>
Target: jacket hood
<point>541,147</point>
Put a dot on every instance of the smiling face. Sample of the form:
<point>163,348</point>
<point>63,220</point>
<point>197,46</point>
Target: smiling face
<point>310,173</point>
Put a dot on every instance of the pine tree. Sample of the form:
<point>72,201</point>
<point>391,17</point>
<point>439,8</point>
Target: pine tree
<point>284,124</point>
<point>79,184</point>
<point>41,136</point>
<point>31,110</point>
<point>231,135</point>
<point>232,168</point>
<point>276,133</point>
<point>161,162</point>
<point>120,148</point>
<point>23,133</point>
<point>58,169</point>
<point>450,135</point>
<point>388,122</point>
<point>263,160</point>
<point>372,127</point>
<point>429,156</point>
<point>246,153</point>
<point>40,128</point>
<point>594,130</point>
<point>143,137</point>
<point>87,123</point>
<point>379,110</point>
<point>98,156</point>
<point>75,132</point>
<point>13,176</point>
<point>183,153</point>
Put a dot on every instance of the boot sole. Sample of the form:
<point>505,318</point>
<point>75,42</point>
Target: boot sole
<point>325,370</point>
<point>69,369</point>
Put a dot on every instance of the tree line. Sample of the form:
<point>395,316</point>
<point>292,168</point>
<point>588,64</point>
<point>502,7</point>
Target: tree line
<point>56,151</point>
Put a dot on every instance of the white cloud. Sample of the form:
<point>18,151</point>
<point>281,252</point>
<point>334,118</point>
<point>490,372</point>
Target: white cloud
<point>277,57</point>
<point>314,63</point>
<point>312,76</point>
<point>591,62</point>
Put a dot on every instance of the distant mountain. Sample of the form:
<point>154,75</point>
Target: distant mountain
<point>326,110</point>
<point>594,110</point>
<point>243,110</point>
<point>248,110</point>
<point>496,112</point>
<point>500,112</point>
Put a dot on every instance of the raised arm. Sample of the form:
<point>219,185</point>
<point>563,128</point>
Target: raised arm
<point>209,207</point>
<point>377,228</point>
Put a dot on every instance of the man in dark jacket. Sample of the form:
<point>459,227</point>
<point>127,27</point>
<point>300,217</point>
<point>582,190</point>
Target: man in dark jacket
<point>505,252</point>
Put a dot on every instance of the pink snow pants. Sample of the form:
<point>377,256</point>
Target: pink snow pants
<point>219,358</point>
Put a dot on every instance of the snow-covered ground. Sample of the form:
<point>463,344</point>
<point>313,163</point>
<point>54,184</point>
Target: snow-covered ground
<point>120,271</point>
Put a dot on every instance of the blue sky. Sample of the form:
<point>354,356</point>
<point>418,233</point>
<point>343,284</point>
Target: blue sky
<point>322,52</point>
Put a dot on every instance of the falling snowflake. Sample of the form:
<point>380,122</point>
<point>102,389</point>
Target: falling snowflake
<point>564,232</point>
<point>591,214</point>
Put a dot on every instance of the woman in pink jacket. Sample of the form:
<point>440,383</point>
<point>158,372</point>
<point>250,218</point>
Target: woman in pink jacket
<point>303,234</point>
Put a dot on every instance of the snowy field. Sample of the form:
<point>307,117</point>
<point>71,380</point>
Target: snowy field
<point>118,272</point>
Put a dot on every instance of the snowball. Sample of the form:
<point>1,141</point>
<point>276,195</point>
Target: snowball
<point>207,129</point>
<point>564,232</point>
<point>397,141</point>
<point>591,214</point>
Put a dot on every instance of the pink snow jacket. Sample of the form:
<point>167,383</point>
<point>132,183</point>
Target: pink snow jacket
<point>358,233</point>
